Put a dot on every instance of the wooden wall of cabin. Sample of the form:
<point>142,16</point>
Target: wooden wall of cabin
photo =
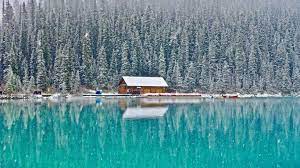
<point>135,90</point>
<point>153,90</point>
<point>122,89</point>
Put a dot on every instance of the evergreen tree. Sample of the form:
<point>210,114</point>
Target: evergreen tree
<point>190,79</point>
<point>102,68</point>
<point>239,68</point>
<point>169,75</point>
<point>226,78</point>
<point>76,84</point>
<point>135,63</point>
<point>285,80</point>
<point>11,81</point>
<point>88,62</point>
<point>282,72</point>
<point>162,63</point>
<point>177,77</point>
<point>114,68</point>
<point>26,81</point>
<point>184,54</point>
<point>31,85</point>
<point>205,76</point>
<point>252,68</point>
<point>213,63</point>
<point>296,70</point>
<point>125,67</point>
<point>25,57</point>
<point>58,70</point>
<point>41,78</point>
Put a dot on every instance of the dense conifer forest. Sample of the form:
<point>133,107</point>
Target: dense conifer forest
<point>211,46</point>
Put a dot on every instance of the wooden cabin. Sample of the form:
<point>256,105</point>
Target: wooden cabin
<point>142,85</point>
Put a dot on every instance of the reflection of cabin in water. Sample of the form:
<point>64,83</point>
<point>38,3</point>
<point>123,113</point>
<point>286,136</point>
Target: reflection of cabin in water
<point>134,113</point>
<point>142,85</point>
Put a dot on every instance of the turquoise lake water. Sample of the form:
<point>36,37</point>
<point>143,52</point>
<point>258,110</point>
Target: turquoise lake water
<point>148,132</point>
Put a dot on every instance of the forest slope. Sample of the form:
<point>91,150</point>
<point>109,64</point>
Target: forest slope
<point>209,46</point>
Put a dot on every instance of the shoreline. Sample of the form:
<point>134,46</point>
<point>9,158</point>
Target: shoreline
<point>160,95</point>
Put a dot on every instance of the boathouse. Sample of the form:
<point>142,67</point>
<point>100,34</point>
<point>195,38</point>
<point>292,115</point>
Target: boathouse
<point>142,85</point>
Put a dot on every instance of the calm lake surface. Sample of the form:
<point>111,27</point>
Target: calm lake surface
<point>149,132</point>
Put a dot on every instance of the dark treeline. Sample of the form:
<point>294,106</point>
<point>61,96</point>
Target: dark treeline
<point>210,46</point>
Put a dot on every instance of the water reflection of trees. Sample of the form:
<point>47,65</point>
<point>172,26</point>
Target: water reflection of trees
<point>83,134</point>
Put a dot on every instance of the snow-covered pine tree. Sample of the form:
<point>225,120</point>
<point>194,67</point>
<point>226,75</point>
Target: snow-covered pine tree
<point>296,68</point>
<point>239,68</point>
<point>41,78</point>
<point>226,78</point>
<point>213,64</point>
<point>88,62</point>
<point>282,70</point>
<point>169,75</point>
<point>135,70</point>
<point>125,67</point>
<point>10,78</point>
<point>177,77</point>
<point>76,85</point>
<point>31,85</point>
<point>205,75</point>
<point>252,69</point>
<point>71,65</point>
<point>154,64</point>
<point>23,39</point>
<point>146,64</point>
<point>26,81</point>
<point>198,69</point>
<point>171,66</point>
<point>114,67</point>
<point>190,78</point>
<point>162,63</point>
<point>268,78</point>
<point>184,54</point>
<point>58,69</point>
<point>102,68</point>
<point>8,25</point>
<point>285,80</point>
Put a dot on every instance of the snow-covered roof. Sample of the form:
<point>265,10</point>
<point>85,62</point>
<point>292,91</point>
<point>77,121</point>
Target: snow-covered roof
<point>145,81</point>
<point>144,112</point>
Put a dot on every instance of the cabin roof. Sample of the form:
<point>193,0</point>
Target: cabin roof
<point>145,81</point>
